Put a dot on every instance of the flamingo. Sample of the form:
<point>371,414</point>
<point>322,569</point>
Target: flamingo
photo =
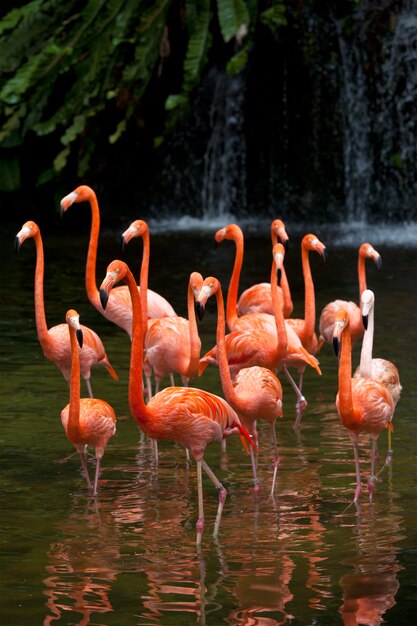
<point>257,298</point>
<point>172,344</point>
<point>364,404</point>
<point>327,317</point>
<point>261,320</point>
<point>281,350</point>
<point>55,341</point>
<point>255,393</point>
<point>305,327</point>
<point>119,309</point>
<point>86,421</point>
<point>382,370</point>
<point>192,417</point>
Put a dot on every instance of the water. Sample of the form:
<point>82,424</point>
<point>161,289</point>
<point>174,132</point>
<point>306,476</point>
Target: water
<point>129,557</point>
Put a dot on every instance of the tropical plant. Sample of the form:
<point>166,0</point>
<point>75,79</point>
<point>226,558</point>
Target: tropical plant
<point>66,66</point>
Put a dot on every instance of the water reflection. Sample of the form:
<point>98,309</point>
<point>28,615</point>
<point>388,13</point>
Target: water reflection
<point>369,591</point>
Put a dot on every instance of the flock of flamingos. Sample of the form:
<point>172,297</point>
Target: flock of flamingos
<point>262,341</point>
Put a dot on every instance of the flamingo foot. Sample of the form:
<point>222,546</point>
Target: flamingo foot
<point>357,493</point>
<point>255,486</point>
<point>199,528</point>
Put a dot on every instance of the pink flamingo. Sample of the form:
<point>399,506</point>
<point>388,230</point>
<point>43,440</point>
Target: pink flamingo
<point>255,393</point>
<point>305,327</point>
<point>257,298</point>
<point>382,370</point>
<point>281,350</point>
<point>261,320</point>
<point>192,417</point>
<point>55,341</point>
<point>327,317</point>
<point>86,421</point>
<point>119,308</point>
<point>364,405</point>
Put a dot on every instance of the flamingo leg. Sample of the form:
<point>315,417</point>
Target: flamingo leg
<point>200,522</point>
<point>222,495</point>
<point>98,460</point>
<point>358,473</point>
<point>85,469</point>
<point>171,378</point>
<point>301,401</point>
<point>254,471</point>
<point>372,477</point>
<point>89,389</point>
<point>389,451</point>
<point>276,459</point>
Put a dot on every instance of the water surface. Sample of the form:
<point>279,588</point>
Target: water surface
<point>129,557</point>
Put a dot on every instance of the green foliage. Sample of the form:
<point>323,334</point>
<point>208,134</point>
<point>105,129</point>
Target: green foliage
<point>274,17</point>
<point>63,65</point>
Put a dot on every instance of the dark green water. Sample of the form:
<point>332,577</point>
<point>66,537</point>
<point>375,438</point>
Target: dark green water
<point>129,557</point>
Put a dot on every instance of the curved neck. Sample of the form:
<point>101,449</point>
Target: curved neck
<point>41,326</point>
<point>90,268</point>
<point>361,275</point>
<point>345,380</point>
<point>365,365</point>
<point>195,343</point>
<point>143,280</point>
<point>282,340</point>
<point>136,400</point>
<point>285,287</point>
<point>231,306</point>
<point>309,296</point>
<point>73,426</point>
<point>226,380</point>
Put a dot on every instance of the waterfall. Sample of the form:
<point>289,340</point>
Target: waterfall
<point>224,176</point>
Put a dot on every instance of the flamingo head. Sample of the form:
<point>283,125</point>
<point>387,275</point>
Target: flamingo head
<point>231,231</point>
<point>196,282</point>
<point>278,254</point>
<point>116,271</point>
<point>137,229</point>
<point>311,242</point>
<point>209,287</point>
<point>367,302</point>
<point>278,229</point>
<point>80,194</point>
<point>342,322</point>
<point>73,320</point>
<point>28,230</point>
<point>367,251</point>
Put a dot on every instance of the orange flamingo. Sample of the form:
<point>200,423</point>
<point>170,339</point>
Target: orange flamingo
<point>172,344</point>
<point>55,341</point>
<point>364,405</point>
<point>192,417</point>
<point>281,350</point>
<point>257,298</point>
<point>261,320</point>
<point>305,327</point>
<point>327,317</point>
<point>86,421</point>
<point>119,308</point>
<point>382,370</point>
<point>255,393</point>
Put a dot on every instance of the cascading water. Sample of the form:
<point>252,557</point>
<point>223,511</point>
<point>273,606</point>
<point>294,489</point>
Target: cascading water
<point>224,177</point>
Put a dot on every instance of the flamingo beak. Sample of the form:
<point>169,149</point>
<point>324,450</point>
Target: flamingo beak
<point>378,262</point>
<point>122,243</point>
<point>365,321</point>
<point>104,298</point>
<point>336,345</point>
<point>324,255</point>
<point>279,276</point>
<point>17,244</point>
<point>199,309</point>
<point>79,335</point>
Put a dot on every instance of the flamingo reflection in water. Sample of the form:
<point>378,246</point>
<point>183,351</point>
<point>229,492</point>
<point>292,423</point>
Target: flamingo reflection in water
<point>81,570</point>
